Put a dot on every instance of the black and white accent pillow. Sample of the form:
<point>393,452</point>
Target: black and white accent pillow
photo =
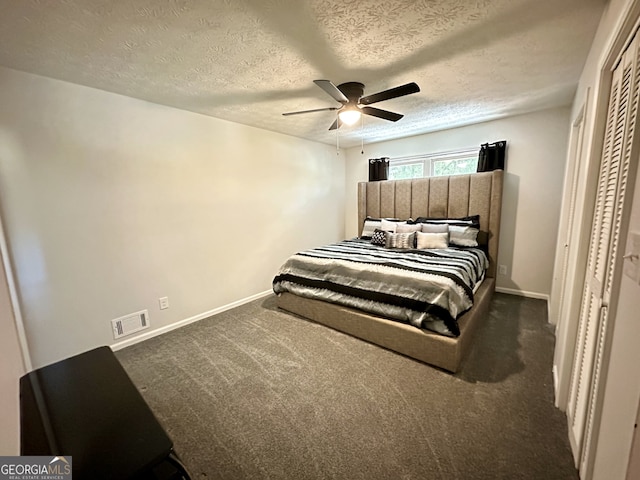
<point>379,237</point>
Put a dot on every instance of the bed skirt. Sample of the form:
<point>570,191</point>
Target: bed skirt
<point>431,348</point>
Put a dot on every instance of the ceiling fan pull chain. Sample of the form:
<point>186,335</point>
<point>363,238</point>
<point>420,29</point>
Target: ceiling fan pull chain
<point>337,139</point>
<point>362,135</point>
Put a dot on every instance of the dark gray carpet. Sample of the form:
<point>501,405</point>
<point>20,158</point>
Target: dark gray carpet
<point>256,393</point>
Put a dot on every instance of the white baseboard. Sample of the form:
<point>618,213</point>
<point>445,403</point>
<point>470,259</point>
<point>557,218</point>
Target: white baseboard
<point>159,331</point>
<point>523,293</point>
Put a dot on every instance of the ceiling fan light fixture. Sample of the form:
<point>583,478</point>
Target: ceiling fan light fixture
<point>349,116</point>
<point>353,104</point>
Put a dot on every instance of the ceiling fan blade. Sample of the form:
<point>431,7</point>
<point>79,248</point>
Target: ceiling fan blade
<point>396,92</point>
<point>332,90</point>
<point>336,124</point>
<point>310,111</point>
<point>376,112</point>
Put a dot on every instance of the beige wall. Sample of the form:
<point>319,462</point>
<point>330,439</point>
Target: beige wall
<point>111,202</point>
<point>536,156</point>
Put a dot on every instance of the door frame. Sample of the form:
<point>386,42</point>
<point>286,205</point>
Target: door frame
<point>567,325</point>
<point>563,359</point>
<point>14,300</point>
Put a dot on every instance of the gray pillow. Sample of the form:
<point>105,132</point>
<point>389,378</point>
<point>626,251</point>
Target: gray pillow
<point>400,240</point>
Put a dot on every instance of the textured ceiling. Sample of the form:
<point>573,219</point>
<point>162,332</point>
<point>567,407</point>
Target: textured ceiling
<point>249,61</point>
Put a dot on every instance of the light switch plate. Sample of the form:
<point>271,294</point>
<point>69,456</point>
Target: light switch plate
<point>164,303</point>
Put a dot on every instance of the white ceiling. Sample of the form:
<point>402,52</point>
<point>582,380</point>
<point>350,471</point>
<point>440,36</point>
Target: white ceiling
<point>248,61</point>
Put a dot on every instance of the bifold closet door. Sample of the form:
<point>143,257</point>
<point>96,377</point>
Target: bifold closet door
<point>617,151</point>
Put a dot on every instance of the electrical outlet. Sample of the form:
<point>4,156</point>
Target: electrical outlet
<point>502,269</point>
<point>164,303</point>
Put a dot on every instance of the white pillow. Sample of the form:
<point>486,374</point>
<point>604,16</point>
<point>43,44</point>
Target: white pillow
<point>404,227</point>
<point>463,236</point>
<point>370,225</point>
<point>432,240</point>
<point>389,226</point>
<point>431,228</point>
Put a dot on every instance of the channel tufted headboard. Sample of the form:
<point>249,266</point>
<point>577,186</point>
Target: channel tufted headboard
<point>439,197</point>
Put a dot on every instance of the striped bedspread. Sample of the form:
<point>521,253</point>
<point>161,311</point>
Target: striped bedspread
<point>428,289</point>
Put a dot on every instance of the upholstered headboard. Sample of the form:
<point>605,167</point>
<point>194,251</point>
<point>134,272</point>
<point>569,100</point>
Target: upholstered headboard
<point>443,197</point>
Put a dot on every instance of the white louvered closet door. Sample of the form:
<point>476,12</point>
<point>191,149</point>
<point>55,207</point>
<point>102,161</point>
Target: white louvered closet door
<point>594,313</point>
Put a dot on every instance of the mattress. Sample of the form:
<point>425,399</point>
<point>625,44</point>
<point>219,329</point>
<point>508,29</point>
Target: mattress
<point>426,288</point>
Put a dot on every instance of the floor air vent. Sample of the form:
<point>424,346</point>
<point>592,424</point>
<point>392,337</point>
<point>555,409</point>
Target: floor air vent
<point>129,324</point>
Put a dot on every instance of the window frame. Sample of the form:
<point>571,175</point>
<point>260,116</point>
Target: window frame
<point>429,160</point>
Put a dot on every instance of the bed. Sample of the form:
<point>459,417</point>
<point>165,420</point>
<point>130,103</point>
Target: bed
<point>453,197</point>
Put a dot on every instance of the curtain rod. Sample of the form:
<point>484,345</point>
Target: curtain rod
<point>494,143</point>
<point>438,154</point>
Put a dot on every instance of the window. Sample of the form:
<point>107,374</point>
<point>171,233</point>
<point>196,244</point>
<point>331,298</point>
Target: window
<point>434,165</point>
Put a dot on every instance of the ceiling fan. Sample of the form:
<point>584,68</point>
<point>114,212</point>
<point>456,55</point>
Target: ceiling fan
<point>350,95</point>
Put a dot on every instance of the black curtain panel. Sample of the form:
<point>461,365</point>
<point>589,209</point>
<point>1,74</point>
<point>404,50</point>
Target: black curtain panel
<point>378,169</point>
<point>491,156</point>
